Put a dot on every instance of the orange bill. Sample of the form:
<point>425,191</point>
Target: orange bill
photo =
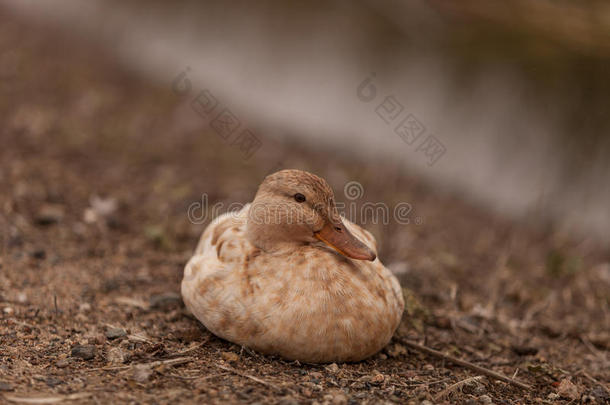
<point>343,241</point>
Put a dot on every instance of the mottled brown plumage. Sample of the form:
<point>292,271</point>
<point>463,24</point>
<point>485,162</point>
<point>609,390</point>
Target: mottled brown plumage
<point>262,278</point>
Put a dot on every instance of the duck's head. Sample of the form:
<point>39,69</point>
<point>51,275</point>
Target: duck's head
<point>295,207</point>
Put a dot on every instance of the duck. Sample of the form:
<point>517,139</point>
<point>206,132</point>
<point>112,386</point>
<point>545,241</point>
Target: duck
<point>288,276</point>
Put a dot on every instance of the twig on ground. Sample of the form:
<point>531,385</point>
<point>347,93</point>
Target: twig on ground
<point>170,362</point>
<point>20,323</point>
<point>139,338</point>
<point>47,400</point>
<point>463,363</point>
<point>456,386</point>
<point>251,377</point>
<point>190,349</point>
<point>198,377</point>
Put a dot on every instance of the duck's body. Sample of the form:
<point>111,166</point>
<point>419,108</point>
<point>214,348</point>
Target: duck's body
<point>302,301</point>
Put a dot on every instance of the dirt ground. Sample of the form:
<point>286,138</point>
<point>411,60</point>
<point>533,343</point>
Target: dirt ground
<point>98,169</point>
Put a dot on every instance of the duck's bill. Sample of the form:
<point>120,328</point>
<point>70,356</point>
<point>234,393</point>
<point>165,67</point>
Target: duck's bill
<point>343,241</point>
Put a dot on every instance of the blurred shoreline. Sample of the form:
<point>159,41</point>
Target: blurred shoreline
<point>506,146</point>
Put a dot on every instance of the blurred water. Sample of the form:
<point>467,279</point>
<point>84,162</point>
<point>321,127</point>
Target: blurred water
<point>295,71</point>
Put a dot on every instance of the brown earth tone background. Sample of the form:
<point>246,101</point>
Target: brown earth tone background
<point>97,170</point>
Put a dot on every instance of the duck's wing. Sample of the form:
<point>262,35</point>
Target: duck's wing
<point>221,245</point>
<point>215,287</point>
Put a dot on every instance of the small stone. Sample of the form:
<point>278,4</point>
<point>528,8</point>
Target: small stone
<point>116,356</point>
<point>84,307</point>
<point>600,394</point>
<point>339,399</point>
<point>382,356</point>
<point>142,372</point>
<point>4,386</point>
<point>474,388</point>
<point>333,368</point>
<point>377,378</point>
<point>62,363</point>
<point>479,389</point>
<point>428,367</point>
<point>229,356</point>
<point>524,350</point>
<point>96,339</point>
<point>8,310</point>
<point>22,298</point>
<point>85,352</point>
<point>49,214</point>
<point>39,254</point>
<point>485,399</point>
<point>53,381</point>
<point>552,396</point>
<point>165,300</point>
<point>396,350</point>
<point>567,389</point>
<point>115,333</point>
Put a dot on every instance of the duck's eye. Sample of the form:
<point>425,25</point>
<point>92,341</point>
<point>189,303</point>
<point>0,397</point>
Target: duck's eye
<point>298,197</point>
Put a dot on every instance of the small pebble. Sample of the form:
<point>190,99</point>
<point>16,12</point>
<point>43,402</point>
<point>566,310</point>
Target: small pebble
<point>524,350</point>
<point>142,372</point>
<point>53,381</point>
<point>229,356</point>
<point>85,352</point>
<point>49,214</point>
<point>428,367</point>
<point>333,368</point>
<point>4,386</point>
<point>116,355</point>
<point>39,254</point>
<point>485,399</point>
<point>377,378</point>
<point>600,394</point>
<point>339,399</point>
<point>479,389</point>
<point>62,363</point>
<point>396,350</point>
<point>567,389</point>
<point>115,333</point>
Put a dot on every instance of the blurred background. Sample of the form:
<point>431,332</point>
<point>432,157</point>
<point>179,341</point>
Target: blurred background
<point>489,120</point>
<point>515,93</point>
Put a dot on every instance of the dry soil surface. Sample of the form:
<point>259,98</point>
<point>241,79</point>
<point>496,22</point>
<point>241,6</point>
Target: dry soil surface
<point>97,171</point>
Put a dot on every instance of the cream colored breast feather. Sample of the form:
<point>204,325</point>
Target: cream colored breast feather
<point>288,276</point>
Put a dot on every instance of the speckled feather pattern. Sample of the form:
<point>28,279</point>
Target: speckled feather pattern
<point>274,287</point>
<point>310,304</point>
